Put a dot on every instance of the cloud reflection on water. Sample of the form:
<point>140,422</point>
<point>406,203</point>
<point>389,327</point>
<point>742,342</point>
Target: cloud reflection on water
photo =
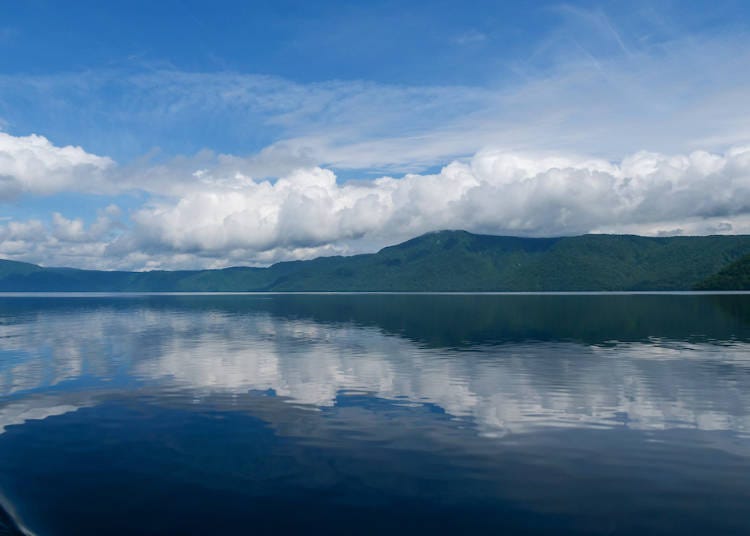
<point>52,362</point>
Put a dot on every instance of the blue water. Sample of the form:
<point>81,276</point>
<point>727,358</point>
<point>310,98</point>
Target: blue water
<point>377,414</point>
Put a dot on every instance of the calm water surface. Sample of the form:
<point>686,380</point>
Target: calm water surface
<point>353,414</point>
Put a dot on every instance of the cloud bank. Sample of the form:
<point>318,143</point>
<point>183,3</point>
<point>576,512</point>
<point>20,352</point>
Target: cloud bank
<point>496,191</point>
<point>209,210</point>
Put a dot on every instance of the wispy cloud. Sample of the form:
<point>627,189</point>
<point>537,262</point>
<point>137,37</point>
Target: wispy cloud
<point>471,37</point>
<point>677,96</point>
<point>7,34</point>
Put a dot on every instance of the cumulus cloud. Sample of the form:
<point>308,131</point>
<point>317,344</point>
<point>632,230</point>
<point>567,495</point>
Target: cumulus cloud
<point>63,241</point>
<point>207,211</point>
<point>32,164</point>
<point>496,191</point>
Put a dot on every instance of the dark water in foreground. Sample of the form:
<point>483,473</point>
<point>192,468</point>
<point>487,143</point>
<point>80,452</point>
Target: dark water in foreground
<point>350,414</point>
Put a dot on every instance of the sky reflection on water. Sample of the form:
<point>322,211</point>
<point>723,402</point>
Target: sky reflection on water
<point>456,380</point>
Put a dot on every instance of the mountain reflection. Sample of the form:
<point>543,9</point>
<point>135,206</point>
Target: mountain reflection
<point>506,364</point>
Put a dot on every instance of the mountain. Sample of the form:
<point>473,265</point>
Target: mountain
<point>440,261</point>
<point>736,276</point>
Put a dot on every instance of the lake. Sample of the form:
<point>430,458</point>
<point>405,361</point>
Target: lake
<point>377,414</point>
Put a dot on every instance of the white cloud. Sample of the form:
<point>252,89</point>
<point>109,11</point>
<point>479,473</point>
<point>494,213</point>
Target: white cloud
<point>592,91</point>
<point>63,241</point>
<point>206,212</point>
<point>497,192</point>
<point>32,164</point>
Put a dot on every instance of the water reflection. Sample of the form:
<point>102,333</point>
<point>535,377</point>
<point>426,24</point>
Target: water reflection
<point>376,414</point>
<point>513,363</point>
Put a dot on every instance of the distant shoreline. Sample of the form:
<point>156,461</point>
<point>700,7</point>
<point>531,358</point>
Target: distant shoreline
<point>95,294</point>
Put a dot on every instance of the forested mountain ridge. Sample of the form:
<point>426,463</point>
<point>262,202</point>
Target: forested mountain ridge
<point>439,261</point>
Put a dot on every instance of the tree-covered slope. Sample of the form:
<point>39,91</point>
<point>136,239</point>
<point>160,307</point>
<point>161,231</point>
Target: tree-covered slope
<point>441,261</point>
<point>457,260</point>
<point>736,276</point>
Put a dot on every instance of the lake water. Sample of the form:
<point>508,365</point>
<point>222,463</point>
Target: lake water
<point>352,414</point>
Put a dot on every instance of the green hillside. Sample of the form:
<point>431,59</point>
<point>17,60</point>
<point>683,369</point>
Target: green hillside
<point>736,276</point>
<point>441,261</point>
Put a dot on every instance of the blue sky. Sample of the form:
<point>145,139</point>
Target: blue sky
<point>182,134</point>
